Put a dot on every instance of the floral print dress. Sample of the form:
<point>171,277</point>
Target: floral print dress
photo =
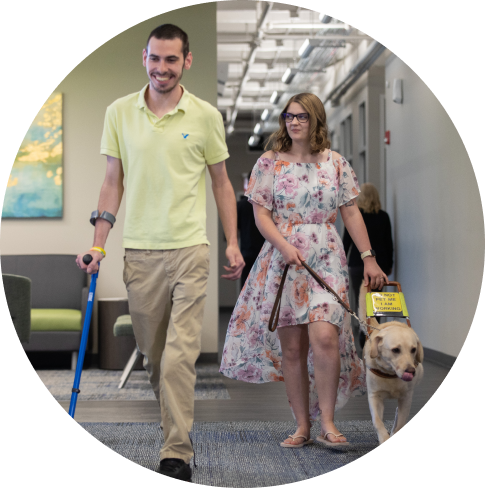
<point>304,200</point>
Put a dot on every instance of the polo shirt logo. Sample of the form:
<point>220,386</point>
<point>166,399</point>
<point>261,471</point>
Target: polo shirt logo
<point>185,135</point>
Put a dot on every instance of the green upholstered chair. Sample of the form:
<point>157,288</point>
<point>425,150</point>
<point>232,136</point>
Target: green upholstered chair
<point>59,296</point>
<point>124,327</point>
<point>18,294</point>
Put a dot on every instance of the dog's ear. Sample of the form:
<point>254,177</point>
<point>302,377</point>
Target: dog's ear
<point>419,353</point>
<point>374,346</point>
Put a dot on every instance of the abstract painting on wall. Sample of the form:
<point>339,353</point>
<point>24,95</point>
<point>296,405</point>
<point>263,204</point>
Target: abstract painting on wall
<point>34,188</point>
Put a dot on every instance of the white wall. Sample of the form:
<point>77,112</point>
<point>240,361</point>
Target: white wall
<point>428,186</point>
<point>367,90</point>
<point>436,213</point>
<point>112,71</point>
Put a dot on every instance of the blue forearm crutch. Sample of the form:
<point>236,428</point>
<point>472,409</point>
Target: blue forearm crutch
<point>84,338</point>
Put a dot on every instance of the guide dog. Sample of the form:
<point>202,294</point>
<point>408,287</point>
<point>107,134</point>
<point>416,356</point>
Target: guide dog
<point>393,358</point>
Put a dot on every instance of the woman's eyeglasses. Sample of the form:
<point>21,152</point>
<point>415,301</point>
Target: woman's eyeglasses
<point>300,117</point>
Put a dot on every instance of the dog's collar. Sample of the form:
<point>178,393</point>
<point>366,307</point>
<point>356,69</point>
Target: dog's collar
<point>381,374</point>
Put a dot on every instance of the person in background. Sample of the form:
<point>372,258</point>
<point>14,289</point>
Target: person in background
<point>378,226</point>
<point>251,239</point>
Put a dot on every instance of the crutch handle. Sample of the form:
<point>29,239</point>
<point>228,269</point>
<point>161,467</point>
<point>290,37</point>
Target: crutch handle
<point>87,258</point>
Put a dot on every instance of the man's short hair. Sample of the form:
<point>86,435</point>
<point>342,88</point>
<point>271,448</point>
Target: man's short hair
<point>170,31</point>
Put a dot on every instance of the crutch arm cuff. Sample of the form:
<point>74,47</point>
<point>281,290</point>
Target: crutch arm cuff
<point>103,215</point>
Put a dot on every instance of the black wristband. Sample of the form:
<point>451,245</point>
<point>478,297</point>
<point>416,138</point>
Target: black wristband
<point>104,215</point>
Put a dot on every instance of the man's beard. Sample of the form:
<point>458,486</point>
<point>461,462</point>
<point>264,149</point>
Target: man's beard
<point>168,90</point>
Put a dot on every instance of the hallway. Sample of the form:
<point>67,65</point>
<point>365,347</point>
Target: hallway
<point>265,402</point>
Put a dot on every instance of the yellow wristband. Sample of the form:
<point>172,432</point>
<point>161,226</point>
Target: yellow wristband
<point>100,249</point>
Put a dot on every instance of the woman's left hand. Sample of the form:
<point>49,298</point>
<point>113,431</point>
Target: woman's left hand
<point>373,274</point>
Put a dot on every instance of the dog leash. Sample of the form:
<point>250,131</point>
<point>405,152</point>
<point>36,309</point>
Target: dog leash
<point>273,321</point>
<point>275,313</point>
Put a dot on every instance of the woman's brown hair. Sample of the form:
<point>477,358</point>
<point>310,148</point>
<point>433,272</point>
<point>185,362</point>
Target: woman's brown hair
<point>280,141</point>
<point>368,199</point>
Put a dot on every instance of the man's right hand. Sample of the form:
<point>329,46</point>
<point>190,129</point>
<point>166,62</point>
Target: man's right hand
<point>93,265</point>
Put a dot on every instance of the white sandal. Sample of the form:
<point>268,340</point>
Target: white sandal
<point>306,441</point>
<point>324,440</point>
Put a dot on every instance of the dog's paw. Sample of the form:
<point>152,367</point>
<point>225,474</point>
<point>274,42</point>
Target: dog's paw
<point>383,437</point>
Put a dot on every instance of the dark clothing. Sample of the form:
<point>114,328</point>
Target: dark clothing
<point>379,229</point>
<point>251,239</point>
<point>247,268</point>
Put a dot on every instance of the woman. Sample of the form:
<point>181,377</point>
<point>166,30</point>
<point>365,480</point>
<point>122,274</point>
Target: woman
<point>296,189</point>
<point>378,225</point>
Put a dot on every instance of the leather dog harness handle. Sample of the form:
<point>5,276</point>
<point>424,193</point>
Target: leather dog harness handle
<point>391,283</point>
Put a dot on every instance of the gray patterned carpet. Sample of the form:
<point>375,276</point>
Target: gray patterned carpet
<point>99,384</point>
<point>240,454</point>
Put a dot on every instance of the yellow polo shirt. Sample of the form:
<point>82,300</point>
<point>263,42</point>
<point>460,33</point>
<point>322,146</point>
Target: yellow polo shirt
<point>164,163</point>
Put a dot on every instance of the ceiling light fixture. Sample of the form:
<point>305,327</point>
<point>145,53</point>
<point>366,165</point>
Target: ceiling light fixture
<point>294,25</point>
<point>275,97</point>
<point>258,129</point>
<point>307,47</point>
<point>324,18</point>
<point>254,141</point>
<point>288,75</point>
<point>265,114</point>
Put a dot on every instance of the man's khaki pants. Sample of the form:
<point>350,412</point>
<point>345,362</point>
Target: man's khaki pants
<point>166,297</point>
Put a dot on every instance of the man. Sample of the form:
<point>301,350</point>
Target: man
<point>160,141</point>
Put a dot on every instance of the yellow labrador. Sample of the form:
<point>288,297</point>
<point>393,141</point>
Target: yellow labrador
<point>393,357</point>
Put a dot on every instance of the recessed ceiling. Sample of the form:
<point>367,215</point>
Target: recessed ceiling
<point>256,44</point>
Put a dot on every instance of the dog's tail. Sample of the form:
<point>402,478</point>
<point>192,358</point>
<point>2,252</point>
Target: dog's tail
<point>363,306</point>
